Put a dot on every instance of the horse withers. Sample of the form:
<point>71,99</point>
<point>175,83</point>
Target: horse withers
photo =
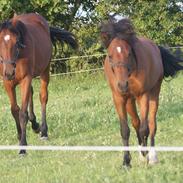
<point>25,52</point>
<point>135,67</point>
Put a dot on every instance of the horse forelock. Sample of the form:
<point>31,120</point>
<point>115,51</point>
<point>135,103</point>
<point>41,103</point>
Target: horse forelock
<point>122,29</point>
<point>7,25</point>
<point>15,27</point>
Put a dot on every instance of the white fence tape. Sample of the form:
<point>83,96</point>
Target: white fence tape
<point>76,72</point>
<point>76,57</point>
<point>100,55</point>
<point>92,148</point>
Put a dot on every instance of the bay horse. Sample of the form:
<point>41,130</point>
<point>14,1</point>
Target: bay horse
<point>25,53</point>
<point>135,67</point>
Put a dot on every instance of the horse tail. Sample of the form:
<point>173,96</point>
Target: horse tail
<point>63,36</point>
<point>171,64</point>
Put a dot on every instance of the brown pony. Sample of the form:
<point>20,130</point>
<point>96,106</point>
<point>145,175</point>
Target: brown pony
<point>135,68</point>
<point>25,53</point>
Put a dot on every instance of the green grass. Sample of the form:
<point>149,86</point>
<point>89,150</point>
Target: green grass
<point>80,112</point>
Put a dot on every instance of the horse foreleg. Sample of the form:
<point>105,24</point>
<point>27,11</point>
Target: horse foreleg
<point>23,114</point>
<point>10,89</point>
<point>44,99</point>
<point>132,111</point>
<point>143,102</point>
<point>120,104</point>
<point>32,117</point>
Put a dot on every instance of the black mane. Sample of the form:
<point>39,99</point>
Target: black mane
<point>18,28</point>
<point>122,29</point>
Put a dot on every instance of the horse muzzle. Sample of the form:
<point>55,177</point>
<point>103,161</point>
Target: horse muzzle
<point>9,75</point>
<point>123,86</point>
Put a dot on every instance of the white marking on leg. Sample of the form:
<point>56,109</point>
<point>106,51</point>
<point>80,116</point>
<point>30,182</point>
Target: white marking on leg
<point>44,138</point>
<point>7,37</point>
<point>152,157</point>
<point>118,49</point>
<point>141,157</point>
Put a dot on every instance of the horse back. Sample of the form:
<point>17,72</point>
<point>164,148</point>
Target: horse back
<point>33,19</point>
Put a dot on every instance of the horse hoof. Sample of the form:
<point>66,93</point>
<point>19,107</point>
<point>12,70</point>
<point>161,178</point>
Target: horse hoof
<point>153,161</point>
<point>22,153</point>
<point>36,128</point>
<point>152,157</point>
<point>126,166</point>
<point>142,158</point>
<point>44,138</point>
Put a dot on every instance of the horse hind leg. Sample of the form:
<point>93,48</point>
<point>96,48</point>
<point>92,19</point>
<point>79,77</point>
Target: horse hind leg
<point>32,117</point>
<point>43,99</point>
<point>153,107</point>
<point>143,102</point>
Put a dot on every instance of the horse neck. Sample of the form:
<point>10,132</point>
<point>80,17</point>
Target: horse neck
<point>134,60</point>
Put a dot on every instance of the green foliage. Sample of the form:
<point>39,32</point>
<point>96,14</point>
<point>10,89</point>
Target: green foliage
<point>160,21</point>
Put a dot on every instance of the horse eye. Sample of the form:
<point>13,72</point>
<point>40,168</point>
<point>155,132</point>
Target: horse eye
<point>110,58</point>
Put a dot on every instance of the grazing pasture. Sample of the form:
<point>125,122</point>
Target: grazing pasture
<point>80,112</point>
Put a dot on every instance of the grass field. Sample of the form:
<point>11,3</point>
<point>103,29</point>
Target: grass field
<point>80,112</point>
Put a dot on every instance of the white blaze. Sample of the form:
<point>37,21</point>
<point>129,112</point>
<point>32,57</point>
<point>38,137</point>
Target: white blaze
<point>118,49</point>
<point>7,37</point>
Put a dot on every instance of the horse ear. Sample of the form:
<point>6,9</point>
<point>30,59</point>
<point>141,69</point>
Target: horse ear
<point>106,32</point>
<point>14,15</point>
<point>105,37</point>
<point>21,29</point>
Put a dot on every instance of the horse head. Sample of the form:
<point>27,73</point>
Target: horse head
<point>118,37</point>
<point>11,42</point>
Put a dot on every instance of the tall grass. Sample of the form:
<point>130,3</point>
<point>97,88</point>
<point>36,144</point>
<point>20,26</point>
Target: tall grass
<point>80,112</point>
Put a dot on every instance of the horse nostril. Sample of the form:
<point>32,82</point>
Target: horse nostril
<point>10,76</point>
<point>127,84</point>
<point>123,86</point>
<point>13,72</point>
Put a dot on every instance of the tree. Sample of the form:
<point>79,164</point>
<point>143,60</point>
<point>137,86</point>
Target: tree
<point>161,21</point>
